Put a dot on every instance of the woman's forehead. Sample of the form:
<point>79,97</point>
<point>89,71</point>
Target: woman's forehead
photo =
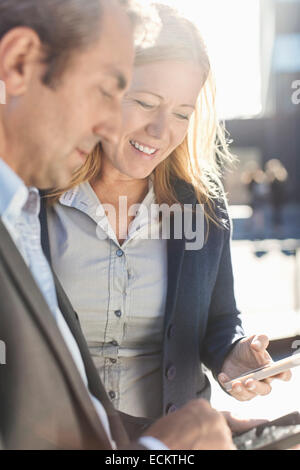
<point>170,78</point>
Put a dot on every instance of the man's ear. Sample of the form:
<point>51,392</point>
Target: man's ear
<point>20,50</point>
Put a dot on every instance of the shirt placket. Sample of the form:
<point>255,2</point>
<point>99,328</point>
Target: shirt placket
<point>116,317</point>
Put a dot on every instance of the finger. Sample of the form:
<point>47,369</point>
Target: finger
<point>258,387</point>
<point>246,424</point>
<point>241,393</point>
<point>223,378</point>
<point>248,390</point>
<point>269,380</point>
<point>285,376</point>
<point>260,343</point>
<point>238,424</point>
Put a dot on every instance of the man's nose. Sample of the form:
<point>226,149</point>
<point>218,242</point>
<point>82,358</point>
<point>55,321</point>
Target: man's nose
<point>110,124</point>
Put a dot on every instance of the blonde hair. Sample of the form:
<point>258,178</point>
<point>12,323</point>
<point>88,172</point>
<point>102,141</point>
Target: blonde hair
<point>198,160</point>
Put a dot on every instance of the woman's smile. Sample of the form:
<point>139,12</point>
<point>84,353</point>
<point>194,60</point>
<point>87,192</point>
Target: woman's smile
<point>145,151</point>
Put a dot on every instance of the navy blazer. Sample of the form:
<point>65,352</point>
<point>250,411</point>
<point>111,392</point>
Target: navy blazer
<point>202,323</point>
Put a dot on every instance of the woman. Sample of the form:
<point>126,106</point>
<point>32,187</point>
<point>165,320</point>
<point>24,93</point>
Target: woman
<point>152,310</point>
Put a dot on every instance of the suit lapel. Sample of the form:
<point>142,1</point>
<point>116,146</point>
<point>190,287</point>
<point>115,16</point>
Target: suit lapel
<point>38,309</point>
<point>95,385</point>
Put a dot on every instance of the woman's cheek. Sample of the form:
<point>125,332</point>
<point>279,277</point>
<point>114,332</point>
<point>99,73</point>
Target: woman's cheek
<point>178,134</point>
<point>133,120</point>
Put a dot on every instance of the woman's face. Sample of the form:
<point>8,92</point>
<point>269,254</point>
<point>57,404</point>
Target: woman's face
<point>156,114</point>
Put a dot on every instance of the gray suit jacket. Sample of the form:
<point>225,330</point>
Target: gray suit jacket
<point>43,401</point>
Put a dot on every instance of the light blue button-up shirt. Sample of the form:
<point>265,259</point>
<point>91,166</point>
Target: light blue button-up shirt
<point>19,211</point>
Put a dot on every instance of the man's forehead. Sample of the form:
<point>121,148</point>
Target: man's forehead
<point>116,31</point>
<point>112,54</point>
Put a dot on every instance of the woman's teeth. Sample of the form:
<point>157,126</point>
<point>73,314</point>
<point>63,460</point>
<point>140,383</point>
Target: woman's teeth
<point>141,148</point>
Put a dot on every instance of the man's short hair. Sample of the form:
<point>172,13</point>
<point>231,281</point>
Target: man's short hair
<point>62,26</point>
<point>66,26</point>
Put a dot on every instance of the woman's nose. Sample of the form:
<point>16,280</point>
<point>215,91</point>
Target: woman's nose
<point>158,126</point>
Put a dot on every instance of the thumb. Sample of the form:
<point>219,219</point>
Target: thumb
<point>223,378</point>
<point>260,343</point>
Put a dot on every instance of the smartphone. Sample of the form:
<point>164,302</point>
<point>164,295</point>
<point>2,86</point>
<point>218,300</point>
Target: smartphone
<point>282,433</point>
<point>269,370</point>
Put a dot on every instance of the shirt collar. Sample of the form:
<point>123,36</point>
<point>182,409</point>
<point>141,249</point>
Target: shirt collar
<point>14,195</point>
<point>83,198</point>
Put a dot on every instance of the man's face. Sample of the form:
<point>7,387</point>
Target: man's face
<point>51,131</point>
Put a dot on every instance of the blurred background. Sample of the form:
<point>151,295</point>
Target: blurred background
<point>254,46</point>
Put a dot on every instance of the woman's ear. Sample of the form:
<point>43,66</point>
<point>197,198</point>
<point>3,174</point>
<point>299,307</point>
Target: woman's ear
<point>20,50</point>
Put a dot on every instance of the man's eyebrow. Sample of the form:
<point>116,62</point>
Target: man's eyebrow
<point>121,79</point>
<point>122,82</point>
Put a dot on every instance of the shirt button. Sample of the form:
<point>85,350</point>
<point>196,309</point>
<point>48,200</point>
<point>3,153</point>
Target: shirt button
<point>112,394</point>
<point>171,372</point>
<point>115,343</point>
<point>113,361</point>
<point>120,253</point>
<point>118,313</point>
<point>171,408</point>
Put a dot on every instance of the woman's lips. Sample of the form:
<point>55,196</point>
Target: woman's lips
<point>142,154</point>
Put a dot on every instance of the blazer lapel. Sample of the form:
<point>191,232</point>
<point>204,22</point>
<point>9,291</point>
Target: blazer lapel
<point>38,309</point>
<point>95,385</point>
<point>176,248</point>
<point>118,431</point>
<point>175,260</point>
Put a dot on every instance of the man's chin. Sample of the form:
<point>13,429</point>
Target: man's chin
<point>55,181</point>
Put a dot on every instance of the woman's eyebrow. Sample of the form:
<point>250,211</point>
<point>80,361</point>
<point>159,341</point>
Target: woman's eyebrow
<point>149,93</point>
<point>187,106</point>
<point>162,99</point>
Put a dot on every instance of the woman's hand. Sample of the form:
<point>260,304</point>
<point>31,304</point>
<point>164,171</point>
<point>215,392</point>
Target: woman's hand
<point>250,353</point>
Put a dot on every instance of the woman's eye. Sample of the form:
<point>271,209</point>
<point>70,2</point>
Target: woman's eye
<point>183,117</point>
<point>144,105</point>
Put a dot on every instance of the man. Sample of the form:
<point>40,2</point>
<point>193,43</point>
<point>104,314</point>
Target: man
<point>66,65</point>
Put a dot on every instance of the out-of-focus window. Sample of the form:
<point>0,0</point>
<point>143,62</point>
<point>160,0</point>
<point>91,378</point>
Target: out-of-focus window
<point>231,30</point>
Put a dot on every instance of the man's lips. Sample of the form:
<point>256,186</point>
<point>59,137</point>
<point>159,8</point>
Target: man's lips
<point>83,155</point>
<point>82,152</point>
